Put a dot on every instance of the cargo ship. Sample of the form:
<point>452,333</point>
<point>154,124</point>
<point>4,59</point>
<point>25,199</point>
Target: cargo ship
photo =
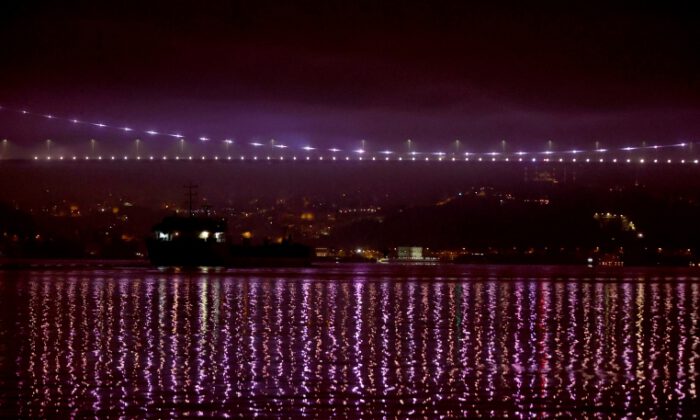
<point>202,241</point>
<point>193,241</point>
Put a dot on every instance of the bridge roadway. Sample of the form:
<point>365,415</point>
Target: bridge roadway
<point>622,160</point>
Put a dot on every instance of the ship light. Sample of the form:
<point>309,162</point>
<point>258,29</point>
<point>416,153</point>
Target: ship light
<point>204,234</point>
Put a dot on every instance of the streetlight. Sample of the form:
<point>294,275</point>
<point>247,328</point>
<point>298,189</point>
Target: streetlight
<point>138,142</point>
<point>48,147</point>
<point>92,146</point>
<point>408,144</point>
<point>182,146</point>
<point>4,148</point>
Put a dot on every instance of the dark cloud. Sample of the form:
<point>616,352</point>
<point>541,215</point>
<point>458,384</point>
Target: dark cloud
<point>332,71</point>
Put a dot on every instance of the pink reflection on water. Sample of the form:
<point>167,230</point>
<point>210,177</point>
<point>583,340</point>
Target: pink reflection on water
<point>348,343</point>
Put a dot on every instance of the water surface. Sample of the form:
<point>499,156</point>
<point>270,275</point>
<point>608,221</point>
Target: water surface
<point>350,341</point>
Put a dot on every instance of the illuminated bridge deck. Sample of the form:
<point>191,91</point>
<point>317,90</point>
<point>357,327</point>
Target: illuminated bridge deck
<point>634,160</point>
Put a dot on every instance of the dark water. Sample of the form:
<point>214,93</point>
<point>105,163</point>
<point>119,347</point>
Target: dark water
<point>350,341</point>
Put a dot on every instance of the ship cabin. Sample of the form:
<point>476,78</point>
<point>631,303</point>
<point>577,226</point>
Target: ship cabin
<point>177,228</point>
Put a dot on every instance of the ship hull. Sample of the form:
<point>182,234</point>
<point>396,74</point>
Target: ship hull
<point>199,254</point>
<point>187,254</point>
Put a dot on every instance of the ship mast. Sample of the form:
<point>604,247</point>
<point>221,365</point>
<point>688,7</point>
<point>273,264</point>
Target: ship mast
<point>191,193</point>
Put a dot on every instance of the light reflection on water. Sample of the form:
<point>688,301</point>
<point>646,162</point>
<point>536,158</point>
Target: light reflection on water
<point>351,342</point>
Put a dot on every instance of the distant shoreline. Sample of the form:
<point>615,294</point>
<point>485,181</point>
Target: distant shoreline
<point>7,264</point>
<point>23,263</point>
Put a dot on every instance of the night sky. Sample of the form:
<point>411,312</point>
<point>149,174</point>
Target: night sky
<point>332,73</point>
